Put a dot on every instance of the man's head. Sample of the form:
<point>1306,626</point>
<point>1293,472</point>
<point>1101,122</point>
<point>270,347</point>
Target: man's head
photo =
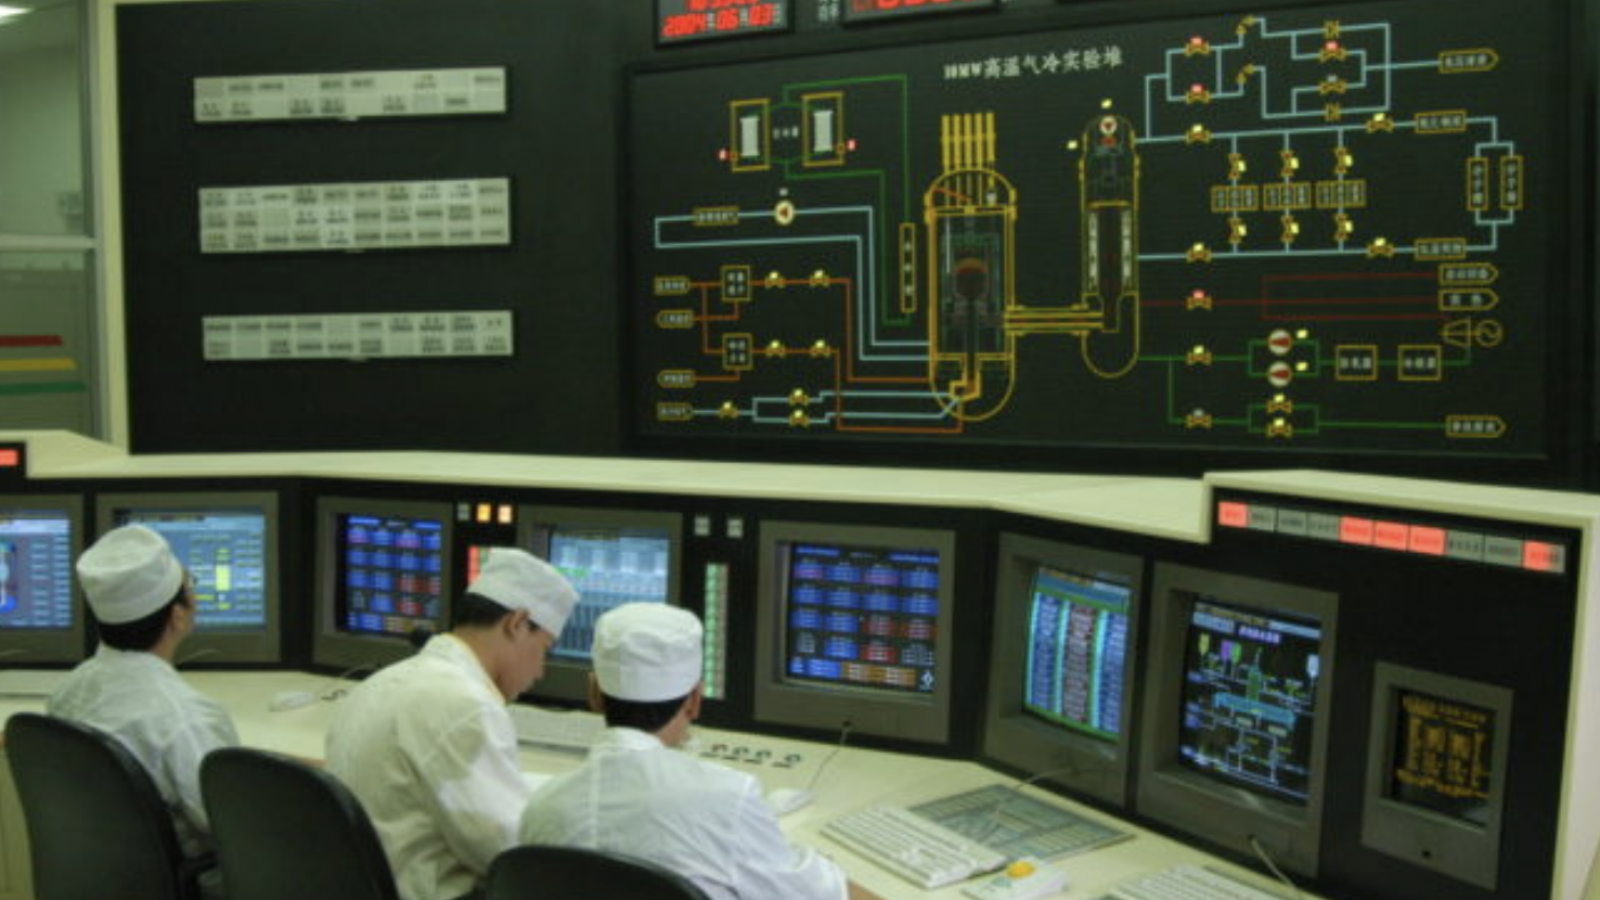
<point>647,667</point>
<point>512,614</point>
<point>138,592</point>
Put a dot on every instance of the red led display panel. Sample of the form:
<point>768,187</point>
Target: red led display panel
<point>10,459</point>
<point>678,21</point>
<point>870,10</point>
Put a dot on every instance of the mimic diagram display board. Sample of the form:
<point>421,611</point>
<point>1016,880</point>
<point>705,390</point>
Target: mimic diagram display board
<point>1327,229</point>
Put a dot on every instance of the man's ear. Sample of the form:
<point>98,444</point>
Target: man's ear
<point>597,700</point>
<point>691,704</point>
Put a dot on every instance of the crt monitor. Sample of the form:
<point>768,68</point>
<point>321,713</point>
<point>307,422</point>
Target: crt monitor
<point>612,556</point>
<point>40,619</point>
<point>854,626</point>
<point>228,542</point>
<point>1238,683</point>
<point>1436,772</point>
<point>1061,676</point>
<point>383,573</point>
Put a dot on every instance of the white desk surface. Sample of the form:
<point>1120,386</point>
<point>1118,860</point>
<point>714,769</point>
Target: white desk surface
<point>853,779</point>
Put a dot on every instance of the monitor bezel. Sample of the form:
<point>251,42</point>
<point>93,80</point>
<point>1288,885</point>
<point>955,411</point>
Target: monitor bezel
<point>353,653</point>
<point>568,679</point>
<point>1079,763</point>
<point>54,645</point>
<point>209,648</point>
<point>1428,838</point>
<point>1245,822</point>
<point>781,701</point>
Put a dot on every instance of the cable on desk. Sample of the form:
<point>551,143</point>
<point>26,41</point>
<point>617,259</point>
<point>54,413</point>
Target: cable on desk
<point>844,732</point>
<point>1267,858</point>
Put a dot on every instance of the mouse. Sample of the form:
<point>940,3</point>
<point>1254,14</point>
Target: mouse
<point>287,700</point>
<point>786,800</point>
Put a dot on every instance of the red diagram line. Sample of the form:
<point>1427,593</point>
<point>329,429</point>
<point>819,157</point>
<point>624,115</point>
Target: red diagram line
<point>30,340</point>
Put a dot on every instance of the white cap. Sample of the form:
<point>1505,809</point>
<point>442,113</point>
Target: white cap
<point>128,574</point>
<point>647,652</point>
<point>516,579</point>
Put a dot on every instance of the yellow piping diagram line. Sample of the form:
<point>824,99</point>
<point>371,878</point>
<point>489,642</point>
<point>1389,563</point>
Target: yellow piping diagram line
<point>58,364</point>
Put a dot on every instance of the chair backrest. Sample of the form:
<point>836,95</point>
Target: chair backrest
<point>97,826</point>
<point>284,829</point>
<point>528,872</point>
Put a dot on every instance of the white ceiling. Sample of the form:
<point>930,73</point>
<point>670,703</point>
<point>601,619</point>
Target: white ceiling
<point>51,24</point>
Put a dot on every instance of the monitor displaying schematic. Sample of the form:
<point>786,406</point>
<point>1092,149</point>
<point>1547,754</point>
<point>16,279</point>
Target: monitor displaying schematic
<point>1436,770</point>
<point>41,618</point>
<point>383,578</point>
<point>853,624</point>
<point>1234,725</point>
<point>1060,696</point>
<point>612,557</point>
<point>228,543</point>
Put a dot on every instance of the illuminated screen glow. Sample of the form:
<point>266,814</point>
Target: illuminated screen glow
<point>1443,756</point>
<point>864,617</point>
<point>390,574</point>
<point>1250,698</point>
<point>609,567</point>
<point>35,570</point>
<point>1077,651</point>
<point>224,551</point>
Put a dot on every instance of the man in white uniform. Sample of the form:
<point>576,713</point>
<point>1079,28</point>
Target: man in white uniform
<point>637,794</point>
<point>143,608</point>
<point>427,744</point>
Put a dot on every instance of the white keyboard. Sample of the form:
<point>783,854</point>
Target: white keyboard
<point>1187,883</point>
<point>549,728</point>
<point>922,852</point>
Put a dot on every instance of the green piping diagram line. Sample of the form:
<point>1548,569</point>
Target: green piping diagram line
<point>48,387</point>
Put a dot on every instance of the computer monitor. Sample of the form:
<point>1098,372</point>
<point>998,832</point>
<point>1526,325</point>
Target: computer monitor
<point>612,556</point>
<point>1234,726</point>
<point>228,542</point>
<point>383,572</point>
<point>40,618</point>
<point>1061,674</point>
<point>1436,771</point>
<point>853,625</point>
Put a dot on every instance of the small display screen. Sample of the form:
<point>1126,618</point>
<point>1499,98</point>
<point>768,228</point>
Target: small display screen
<point>609,567</point>
<point>679,21</point>
<point>35,570</point>
<point>1443,756</point>
<point>865,617</point>
<point>1077,651</point>
<point>1250,697</point>
<point>225,553</point>
<point>390,577</point>
<point>867,10</point>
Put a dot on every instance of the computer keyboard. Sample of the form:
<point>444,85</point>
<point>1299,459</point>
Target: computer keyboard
<point>922,852</point>
<point>1187,883</point>
<point>570,730</point>
<point>1016,825</point>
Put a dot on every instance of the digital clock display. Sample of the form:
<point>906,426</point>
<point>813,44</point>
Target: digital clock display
<point>678,21</point>
<point>871,10</point>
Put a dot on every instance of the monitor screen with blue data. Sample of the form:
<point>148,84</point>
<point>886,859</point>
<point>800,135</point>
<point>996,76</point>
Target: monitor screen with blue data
<point>383,570</point>
<point>1234,727</point>
<point>1059,701</point>
<point>854,625</point>
<point>41,620</point>
<point>611,556</point>
<point>227,542</point>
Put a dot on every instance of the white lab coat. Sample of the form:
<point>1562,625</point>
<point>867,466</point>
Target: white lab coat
<point>169,726</point>
<point>428,747</point>
<point>706,821</point>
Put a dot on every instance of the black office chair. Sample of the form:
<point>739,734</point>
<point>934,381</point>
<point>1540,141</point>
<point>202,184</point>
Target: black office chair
<point>527,873</point>
<point>284,829</point>
<point>97,826</point>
